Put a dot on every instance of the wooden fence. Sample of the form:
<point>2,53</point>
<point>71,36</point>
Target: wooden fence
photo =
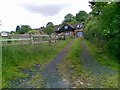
<point>16,39</point>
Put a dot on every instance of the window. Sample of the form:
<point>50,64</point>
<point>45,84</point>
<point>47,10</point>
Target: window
<point>78,26</point>
<point>66,27</point>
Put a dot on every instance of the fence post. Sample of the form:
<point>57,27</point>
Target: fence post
<point>49,40</point>
<point>58,38</point>
<point>55,38</point>
<point>31,37</point>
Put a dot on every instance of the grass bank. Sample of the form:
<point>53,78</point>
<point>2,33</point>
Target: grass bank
<point>19,57</point>
<point>101,58</point>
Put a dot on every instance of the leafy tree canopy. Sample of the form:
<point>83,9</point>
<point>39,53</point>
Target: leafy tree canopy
<point>68,18</point>
<point>49,24</point>
<point>23,29</point>
<point>102,27</point>
<point>49,28</point>
<point>81,16</point>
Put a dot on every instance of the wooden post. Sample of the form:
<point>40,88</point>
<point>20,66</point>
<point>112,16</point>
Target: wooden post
<point>49,39</point>
<point>64,36</point>
<point>58,38</point>
<point>32,42</point>
<point>31,37</point>
<point>55,38</point>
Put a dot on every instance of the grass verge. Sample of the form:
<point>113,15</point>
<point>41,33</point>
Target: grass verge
<point>109,81</point>
<point>19,57</point>
<point>101,58</point>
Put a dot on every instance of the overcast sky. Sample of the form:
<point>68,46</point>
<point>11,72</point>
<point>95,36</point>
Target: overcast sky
<point>37,13</point>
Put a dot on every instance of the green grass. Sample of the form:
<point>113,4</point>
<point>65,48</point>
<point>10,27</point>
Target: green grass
<point>19,57</point>
<point>101,58</point>
<point>78,76</point>
<point>71,65</point>
<point>109,81</point>
<point>37,81</point>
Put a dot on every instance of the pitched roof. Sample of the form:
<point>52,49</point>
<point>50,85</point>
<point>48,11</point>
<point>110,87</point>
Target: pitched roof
<point>77,25</point>
<point>60,28</point>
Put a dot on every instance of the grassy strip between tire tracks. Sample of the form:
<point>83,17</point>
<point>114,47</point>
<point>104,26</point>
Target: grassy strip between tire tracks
<point>71,71</point>
<point>19,57</point>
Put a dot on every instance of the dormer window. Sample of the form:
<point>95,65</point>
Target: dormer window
<point>66,27</point>
<point>78,26</point>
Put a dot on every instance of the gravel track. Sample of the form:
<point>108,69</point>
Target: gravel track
<point>50,74</point>
<point>89,65</point>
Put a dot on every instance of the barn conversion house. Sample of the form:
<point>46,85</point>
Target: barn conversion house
<point>68,29</point>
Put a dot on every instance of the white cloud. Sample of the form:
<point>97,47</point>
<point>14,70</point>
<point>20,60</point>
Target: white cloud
<point>46,10</point>
<point>14,12</point>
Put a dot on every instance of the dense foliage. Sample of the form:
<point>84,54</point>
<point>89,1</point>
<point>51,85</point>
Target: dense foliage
<point>68,18</point>
<point>81,16</point>
<point>23,29</point>
<point>49,28</point>
<point>102,27</point>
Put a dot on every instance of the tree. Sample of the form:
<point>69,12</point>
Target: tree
<point>17,28</point>
<point>23,29</point>
<point>97,7</point>
<point>50,24</point>
<point>68,18</point>
<point>12,32</point>
<point>102,28</point>
<point>81,16</point>
<point>49,28</point>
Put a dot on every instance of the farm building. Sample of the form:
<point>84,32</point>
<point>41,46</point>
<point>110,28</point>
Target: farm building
<point>4,33</point>
<point>68,29</point>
